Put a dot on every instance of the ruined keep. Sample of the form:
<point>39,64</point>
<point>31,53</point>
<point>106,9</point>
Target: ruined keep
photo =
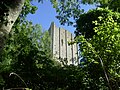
<point>61,50</point>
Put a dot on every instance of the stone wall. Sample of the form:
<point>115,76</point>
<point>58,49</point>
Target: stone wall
<point>59,45</point>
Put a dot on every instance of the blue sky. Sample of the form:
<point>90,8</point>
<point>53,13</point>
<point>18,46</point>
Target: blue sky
<point>46,14</point>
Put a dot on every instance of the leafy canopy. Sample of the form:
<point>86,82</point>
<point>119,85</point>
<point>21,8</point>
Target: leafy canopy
<point>103,45</point>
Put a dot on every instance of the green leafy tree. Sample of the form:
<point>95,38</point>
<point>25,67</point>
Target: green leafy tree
<point>70,10</point>
<point>101,49</point>
<point>6,9</point>
<point>25,53</point>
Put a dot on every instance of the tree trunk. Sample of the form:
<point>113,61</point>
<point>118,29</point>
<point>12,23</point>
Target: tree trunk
<point>13,14</point>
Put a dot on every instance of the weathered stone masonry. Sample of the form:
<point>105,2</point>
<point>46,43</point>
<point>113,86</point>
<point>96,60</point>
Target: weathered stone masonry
<point>59,45</point>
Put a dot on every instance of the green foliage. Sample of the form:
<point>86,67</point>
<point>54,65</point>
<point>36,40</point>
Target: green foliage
<point>28,8</point>
<point>66,10</point>
<point>85,23</point>
<point>70,10</point>
<point>104,44</point>
<point>23,48</point>
<point>111,4</point>
<point>25,51</point>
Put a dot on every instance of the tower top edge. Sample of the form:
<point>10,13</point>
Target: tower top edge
<point>53,23</point>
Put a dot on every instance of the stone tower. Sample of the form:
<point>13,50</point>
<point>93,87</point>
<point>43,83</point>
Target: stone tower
<point>61,51</point>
